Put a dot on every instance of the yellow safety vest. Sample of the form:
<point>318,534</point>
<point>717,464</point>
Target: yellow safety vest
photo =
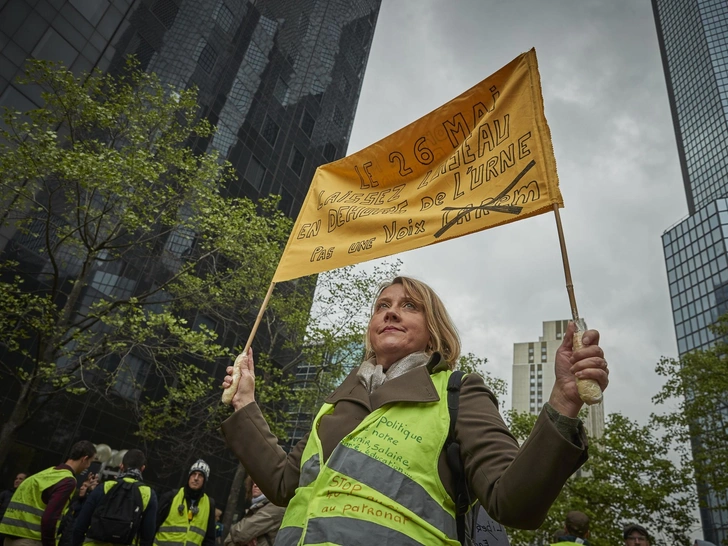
<point>144,490</point>
<point>26,508</point>
<point>178,530</point>
<point>380,485</point>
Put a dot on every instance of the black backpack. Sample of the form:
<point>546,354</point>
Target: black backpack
<point>119,515</point>
<point>474,524</point>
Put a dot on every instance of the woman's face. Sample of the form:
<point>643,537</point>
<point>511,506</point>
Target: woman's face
<point>398,326</point>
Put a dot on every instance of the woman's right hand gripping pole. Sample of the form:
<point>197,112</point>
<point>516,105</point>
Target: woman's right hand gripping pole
<point>239,383</point>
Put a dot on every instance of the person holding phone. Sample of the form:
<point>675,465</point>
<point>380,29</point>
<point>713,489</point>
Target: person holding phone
<point>87,484</point>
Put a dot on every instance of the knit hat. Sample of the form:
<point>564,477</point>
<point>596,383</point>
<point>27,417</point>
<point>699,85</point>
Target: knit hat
<point>200,466</point>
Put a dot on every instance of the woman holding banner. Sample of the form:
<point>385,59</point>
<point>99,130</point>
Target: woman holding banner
<point>372,469</point>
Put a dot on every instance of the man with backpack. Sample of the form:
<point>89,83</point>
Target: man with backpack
<point>187,516</point>
<point>120,510</point>
<point>38,503</point>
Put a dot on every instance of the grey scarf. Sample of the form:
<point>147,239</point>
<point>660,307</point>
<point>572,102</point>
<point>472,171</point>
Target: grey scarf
<point>372,376</point>
<point>131,473</point>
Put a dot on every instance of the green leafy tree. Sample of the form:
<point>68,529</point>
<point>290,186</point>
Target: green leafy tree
<point>696,391</point>
<point>471,363</point>
<point>122,248</point>
<point>630,477</point>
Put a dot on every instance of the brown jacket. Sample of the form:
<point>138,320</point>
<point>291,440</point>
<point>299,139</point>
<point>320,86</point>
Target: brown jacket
<point>261,523</point>
<point>516,486</point>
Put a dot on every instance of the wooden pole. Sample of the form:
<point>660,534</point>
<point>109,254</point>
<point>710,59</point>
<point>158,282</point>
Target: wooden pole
<point>589,390</point>
<point>263,307</point>
<point>229,393</point>
<point>567,269</point>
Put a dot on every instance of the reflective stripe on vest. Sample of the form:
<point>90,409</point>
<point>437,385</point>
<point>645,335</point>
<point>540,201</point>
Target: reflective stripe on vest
<point>381,483</point>
<point>309,471</point>
<point>177,530</point>
<point>348,531</point>
<point>26,508</point>
<point>144,490</point>
<point>393,485</point>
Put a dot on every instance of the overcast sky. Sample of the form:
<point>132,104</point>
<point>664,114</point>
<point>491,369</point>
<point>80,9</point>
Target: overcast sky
<point>606,103</point>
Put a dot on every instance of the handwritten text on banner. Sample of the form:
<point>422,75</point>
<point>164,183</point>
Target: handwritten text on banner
<point>481,160</point>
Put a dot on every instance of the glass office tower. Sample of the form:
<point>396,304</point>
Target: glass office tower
<point>693,37</point>
<point>279,78</point>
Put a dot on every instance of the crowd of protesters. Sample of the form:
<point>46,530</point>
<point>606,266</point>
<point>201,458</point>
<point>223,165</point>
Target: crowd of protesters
<point>66,505</point>
<point>55,508</point>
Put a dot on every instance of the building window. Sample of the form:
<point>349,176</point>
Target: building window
<point>286,203</point>
<point>130,377</point>
<point>254,173</point>
<point>92,10</point>
<point>269,25</point>
<point>296,161</point>
<point>207,322</point>
<point>224,18</point>
<point>280,91</point>
<point>53,47</point>
<point>207,58</point>
<point>329,152</point>
<point>338,117</point>
<point>112,285</point>
<point>240,96</point>
<point>270,130</point>
<point>166,11</point>
<point>182,238</point>
<point>345,86</point>
<point>307,123</point>
<point>255,58</point>
<point>142,50</point>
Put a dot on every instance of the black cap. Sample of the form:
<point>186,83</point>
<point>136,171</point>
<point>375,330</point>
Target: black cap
<point>635,527</point>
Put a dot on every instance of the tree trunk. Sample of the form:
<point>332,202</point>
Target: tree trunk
<point>233,499</point>
<point>15,421</point>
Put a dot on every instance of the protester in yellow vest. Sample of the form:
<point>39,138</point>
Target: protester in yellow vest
<point>37,505</point>
<point>372,470</point>
<point>131,468</point>
<point>187,517</point>
<point>576,530</point>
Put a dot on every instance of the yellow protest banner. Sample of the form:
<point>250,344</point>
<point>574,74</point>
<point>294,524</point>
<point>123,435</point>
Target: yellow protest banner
<point>481,160</point>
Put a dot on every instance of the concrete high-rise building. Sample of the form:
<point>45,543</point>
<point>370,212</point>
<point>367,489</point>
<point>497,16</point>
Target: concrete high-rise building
<point>280,79</point>
<point>693,38</point>
<point>534,377</point>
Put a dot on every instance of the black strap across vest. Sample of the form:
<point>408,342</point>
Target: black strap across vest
<point>452,454</point>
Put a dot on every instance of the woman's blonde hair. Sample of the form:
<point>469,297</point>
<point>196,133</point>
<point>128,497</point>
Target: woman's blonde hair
<point>444,337</point>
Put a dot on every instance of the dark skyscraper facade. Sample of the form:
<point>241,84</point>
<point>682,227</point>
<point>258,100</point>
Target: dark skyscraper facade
<point>693,36</point>
<point>280,79</point>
